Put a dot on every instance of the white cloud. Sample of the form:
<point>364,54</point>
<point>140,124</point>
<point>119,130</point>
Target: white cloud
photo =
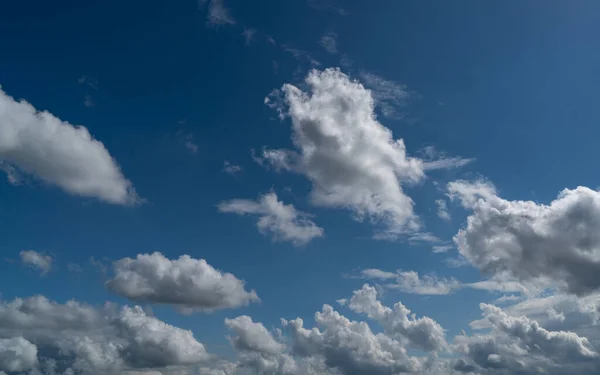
<point>281,221</point>
<point>329,42</point>
<point>231,169</point>
<point>373,273</point>
<point>17,355</point>
<point>423,333</point>
<point>252,336</point>
<point>555,245</point>
<point>91,340</point>
<point>218,13</point>
<point>40,144</point>
<point>412,282</point>
<point>36,260</point>
<point>442,209</point>
<point>442,248</point>
<point>186,283</point>
<point>352,160</point>
<point>435,159</point>
<point>388,95</point>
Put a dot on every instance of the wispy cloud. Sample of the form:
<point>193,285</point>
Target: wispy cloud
<point>36,260</point>
<point>88,102</point>
<point>442,209</point>
<point>249,34</point>
<point>436,159</point>
<point>217,14</point>
<point>389,95</point>
<point>329,42</point>
<point>89,81</point>
<point>330,5</point>
<point>231,169</point>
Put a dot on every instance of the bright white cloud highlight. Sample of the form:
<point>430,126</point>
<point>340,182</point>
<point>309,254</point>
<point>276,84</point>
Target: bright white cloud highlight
<point>67,156</point>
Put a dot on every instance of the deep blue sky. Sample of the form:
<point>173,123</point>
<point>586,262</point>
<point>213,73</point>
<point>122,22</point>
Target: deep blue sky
<point>511,84</point>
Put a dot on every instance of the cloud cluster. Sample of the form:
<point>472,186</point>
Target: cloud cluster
<point>544,245</point>
<point>186,283</point>
<point>283,222</point>
<point>40,144</point>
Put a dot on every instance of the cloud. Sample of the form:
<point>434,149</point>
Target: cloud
<point>89,81</point>
<point>330,5</point>
<point>249,35</point>
<point>441,248</point>
<point>329,42</point>
<point>36,260</point>
<point>352,160</point>
<point>88,102</point>
<point>277,219</point>
<point>388,95</point>
<point>40,144</point>
<point>218,13</point>
<point>252,336</point>
<point>411,282</point>
<point>188,142</point>
<point>17,355</point>
<point>301,55</point>
<point>231,169</point>
<point>442,209</point>
<point>435,159</point>
<point>92,340</point>
<point>186,283</point>
<point>555,245</point>
<point>423,333</point>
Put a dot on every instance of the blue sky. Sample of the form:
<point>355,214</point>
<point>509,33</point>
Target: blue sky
<point>261,137</point>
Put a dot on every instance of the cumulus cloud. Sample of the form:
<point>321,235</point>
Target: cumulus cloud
<point>252,336</point>
<point>186,283</point>
<point>442,209</point>
<point>351,159</point>
<point>218,14</point>
<point>36,260</point>
<point>40,144</point>
<point>329,42</point>
<point>544,245</point>
<point>17,355</point>
<point>423,333</point>
<point>283,222</point>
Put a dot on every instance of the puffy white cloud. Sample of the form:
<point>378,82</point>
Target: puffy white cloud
<point>350,346</point>
<point>555,245</point>
<point>187,283</point>
<point>94,341</point>
<point>17,355</point>
<point>41,144</point>
<point>36,260</point>
<point>281,221</point>
<point>252,336</point>
<point>423,333</point>
<point>329,42</point>
<point>351,159</point>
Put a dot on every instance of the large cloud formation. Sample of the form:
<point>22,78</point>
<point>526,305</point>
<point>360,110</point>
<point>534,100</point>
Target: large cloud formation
<point>90,340</point>
<point>351,159</point>
<point>543,245</point>
<point>280,220</point>
<point>186,283</point>
<point>41,144</point>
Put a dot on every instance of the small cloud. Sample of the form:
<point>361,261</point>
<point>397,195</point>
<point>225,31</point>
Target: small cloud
<point>442,209</point>
<point>327,5</point>
<point>189,142</point>
<point>249,35</point>
<point>218,14</point>
<point>12,174</point>
<point>435,159</point>
<point>271,40</point>
<point>442,248</point>
<point>456,262</point>
<point>36,260</point>
<point>388,95</point>
<point>88,102</point>
<point>329,42</point>
<point>301,55</point>
<point>89,81</point>
<point>231,169</point>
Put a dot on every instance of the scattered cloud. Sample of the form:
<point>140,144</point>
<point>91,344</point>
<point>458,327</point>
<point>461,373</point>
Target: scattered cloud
<point>88,102</point>
<point>186,283</point>
<point>442,209</point>
<point>75,268</point>
<point>331,5</point>
<point>41,262</point>
<point>352,160</point>
<point>88,81</point>
<point>231,169</point>
<point>555,245</point>
<point>301,55</point>
<point>329,42</point>
<point>283,222</point>
<point>249,34</point>
<point>435,159</point>
<point>252,336</point>
<point>442,248</point>
<point>67,156</point>
<point>388,95</point>
<point>218,14</point>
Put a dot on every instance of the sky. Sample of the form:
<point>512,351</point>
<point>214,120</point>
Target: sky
<point>300,187</point>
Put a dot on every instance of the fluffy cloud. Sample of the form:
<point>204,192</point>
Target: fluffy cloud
<point>92,340</point>
<point>252,336</point>
<point>281,221</point>
<point>442,209</point>
<point>187,283</point>
<point>423,333</point>
<point>543,245</point>
<point>40,144</point>
<point>17,355</point>
<point>351,159</point>
<point>36,260</point>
